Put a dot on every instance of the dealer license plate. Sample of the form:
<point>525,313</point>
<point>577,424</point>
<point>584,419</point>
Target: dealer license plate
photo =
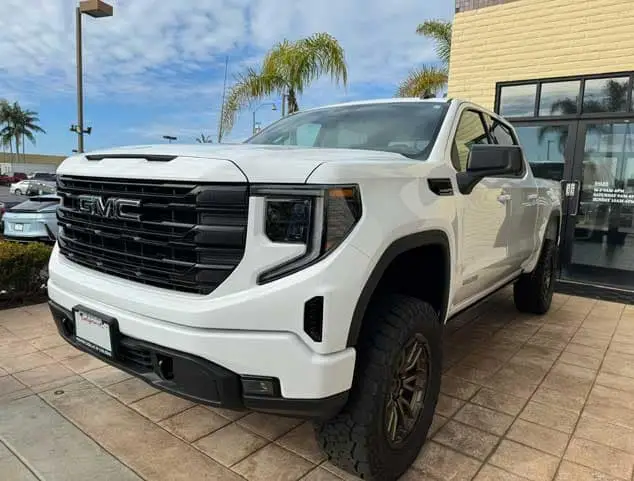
<point>93,332</point>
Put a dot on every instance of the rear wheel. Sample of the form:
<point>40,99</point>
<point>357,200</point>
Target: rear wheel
<point>391,406</point>
<point>17,192</point>
<point>533,292</point>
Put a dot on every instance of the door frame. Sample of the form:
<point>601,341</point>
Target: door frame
<point>573,172</point>
<point>565,245</point>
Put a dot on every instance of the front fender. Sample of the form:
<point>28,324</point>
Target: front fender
<point>397,247</point>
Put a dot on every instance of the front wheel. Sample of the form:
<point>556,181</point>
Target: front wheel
<point>533,292</point>
<point>381,430</point>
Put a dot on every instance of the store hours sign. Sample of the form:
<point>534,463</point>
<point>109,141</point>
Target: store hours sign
<point>602,192</point>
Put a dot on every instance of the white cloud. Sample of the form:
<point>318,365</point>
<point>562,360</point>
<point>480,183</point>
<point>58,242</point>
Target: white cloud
<point>172,52</point>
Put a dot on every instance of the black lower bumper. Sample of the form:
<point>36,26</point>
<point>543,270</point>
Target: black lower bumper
<point>194,378</point>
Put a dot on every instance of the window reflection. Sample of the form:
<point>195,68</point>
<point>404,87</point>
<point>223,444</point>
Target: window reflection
<point>606,95</point>
<point>518,100</point>
<point>544,147</point>
<point>604,225</point>
<point>559,98</point>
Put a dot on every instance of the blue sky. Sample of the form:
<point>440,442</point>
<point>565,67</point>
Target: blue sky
<point>157,67</point>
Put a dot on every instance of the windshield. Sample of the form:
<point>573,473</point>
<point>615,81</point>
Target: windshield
<point>409,129</point>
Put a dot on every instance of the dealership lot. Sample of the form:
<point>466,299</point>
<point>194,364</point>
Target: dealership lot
<point>524,398</point>
<point>6,197</point>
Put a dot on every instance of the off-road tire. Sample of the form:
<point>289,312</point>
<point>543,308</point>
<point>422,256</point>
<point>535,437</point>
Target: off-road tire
<point>356,440</point>
<point>533,292</point>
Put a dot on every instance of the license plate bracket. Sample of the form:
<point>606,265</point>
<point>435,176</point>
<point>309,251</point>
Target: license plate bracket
<point>97,332</point>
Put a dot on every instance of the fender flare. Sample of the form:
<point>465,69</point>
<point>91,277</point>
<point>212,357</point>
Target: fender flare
<point>554,233</point>
<point>397,247</point>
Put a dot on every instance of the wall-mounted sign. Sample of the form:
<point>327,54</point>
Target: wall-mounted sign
<point>602,192</point>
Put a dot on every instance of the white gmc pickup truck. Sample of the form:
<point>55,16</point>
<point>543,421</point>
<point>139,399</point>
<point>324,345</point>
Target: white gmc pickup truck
<point>309,271</point>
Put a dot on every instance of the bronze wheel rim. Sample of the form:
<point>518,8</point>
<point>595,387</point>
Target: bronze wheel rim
<point>406,396</point>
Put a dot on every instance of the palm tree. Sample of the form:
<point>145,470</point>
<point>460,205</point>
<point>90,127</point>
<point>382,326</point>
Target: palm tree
<point>6,129</point>
<point>204,139</point>
<point>287,70</point>
<point>429,80</point>
<point>25,127</point>
<point>19,125</point>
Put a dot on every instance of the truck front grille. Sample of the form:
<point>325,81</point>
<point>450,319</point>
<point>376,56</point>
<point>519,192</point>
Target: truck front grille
<point>186,237</point>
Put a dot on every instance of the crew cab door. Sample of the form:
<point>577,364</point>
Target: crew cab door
<point>521,225</point>
<point>484,215</point>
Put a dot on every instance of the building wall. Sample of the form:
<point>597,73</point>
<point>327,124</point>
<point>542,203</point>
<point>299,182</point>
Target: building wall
<point>530,39</point>
<point>464,5</point>
<point>29,163</point>
<point>39,159</point>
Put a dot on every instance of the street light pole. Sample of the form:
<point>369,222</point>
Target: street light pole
<point>96,9</point>
<point>80,83</point>
<point>274,107</point>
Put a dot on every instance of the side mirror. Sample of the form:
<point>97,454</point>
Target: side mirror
<point>490,160</point>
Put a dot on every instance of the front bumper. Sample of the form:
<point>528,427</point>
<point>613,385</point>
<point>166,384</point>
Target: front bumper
<point>194,378</point>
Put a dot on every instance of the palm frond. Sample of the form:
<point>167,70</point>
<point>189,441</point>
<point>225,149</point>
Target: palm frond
<point>249,87</point>
<point>30,136</point>
<point>321,54</point>
<point>422,82</point>
<point>440,31</point>
<point>288,68</point>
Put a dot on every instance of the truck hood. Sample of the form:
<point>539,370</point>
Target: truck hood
<point>220,163</point>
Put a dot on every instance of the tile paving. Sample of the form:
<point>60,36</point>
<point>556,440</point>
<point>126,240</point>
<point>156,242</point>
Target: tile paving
<point>523,398</point>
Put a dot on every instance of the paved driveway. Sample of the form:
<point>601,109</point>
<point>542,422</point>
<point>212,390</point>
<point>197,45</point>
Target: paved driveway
<point>5,196</point>
<point>523,398</point>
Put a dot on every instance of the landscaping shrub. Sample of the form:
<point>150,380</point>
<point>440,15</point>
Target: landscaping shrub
<point>23,272</point>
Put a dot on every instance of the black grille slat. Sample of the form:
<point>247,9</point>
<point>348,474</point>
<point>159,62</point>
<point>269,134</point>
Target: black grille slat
<point>189,237</point>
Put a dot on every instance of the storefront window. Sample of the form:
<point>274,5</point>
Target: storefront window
<point>518,100</point>
<point>544,147</point>
<point>606,95</point>
<point>559,98</point>
<point>604,224</point>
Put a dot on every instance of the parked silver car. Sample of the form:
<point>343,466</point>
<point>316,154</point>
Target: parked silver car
<point>33,220</point>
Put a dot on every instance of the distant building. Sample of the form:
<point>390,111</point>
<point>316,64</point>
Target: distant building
<point>29,163</point>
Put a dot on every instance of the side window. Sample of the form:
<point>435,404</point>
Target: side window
<point>306,135</point>
<point>502,134</point>
<point>350,138</point>
<point>470,131</point>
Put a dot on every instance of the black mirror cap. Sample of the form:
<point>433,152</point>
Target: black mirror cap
<point>484,158</point>
<point>490,160</point>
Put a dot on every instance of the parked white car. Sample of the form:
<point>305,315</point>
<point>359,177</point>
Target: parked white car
<point>20,188</point>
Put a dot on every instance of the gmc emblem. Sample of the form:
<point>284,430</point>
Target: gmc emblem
<point>111,208</point>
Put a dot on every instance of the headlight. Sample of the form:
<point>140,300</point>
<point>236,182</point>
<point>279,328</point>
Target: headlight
<point>318,217</point>
<point>288,220</point>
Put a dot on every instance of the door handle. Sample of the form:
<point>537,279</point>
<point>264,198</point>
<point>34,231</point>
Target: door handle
<point>571,196</point>
<point>504,197</point>
<point>532,196</point>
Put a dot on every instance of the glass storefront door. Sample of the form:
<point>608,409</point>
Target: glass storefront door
<point>598,241</point>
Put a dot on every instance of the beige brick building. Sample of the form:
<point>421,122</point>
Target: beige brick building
<point>526,39</point>
<point>562,71</point>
